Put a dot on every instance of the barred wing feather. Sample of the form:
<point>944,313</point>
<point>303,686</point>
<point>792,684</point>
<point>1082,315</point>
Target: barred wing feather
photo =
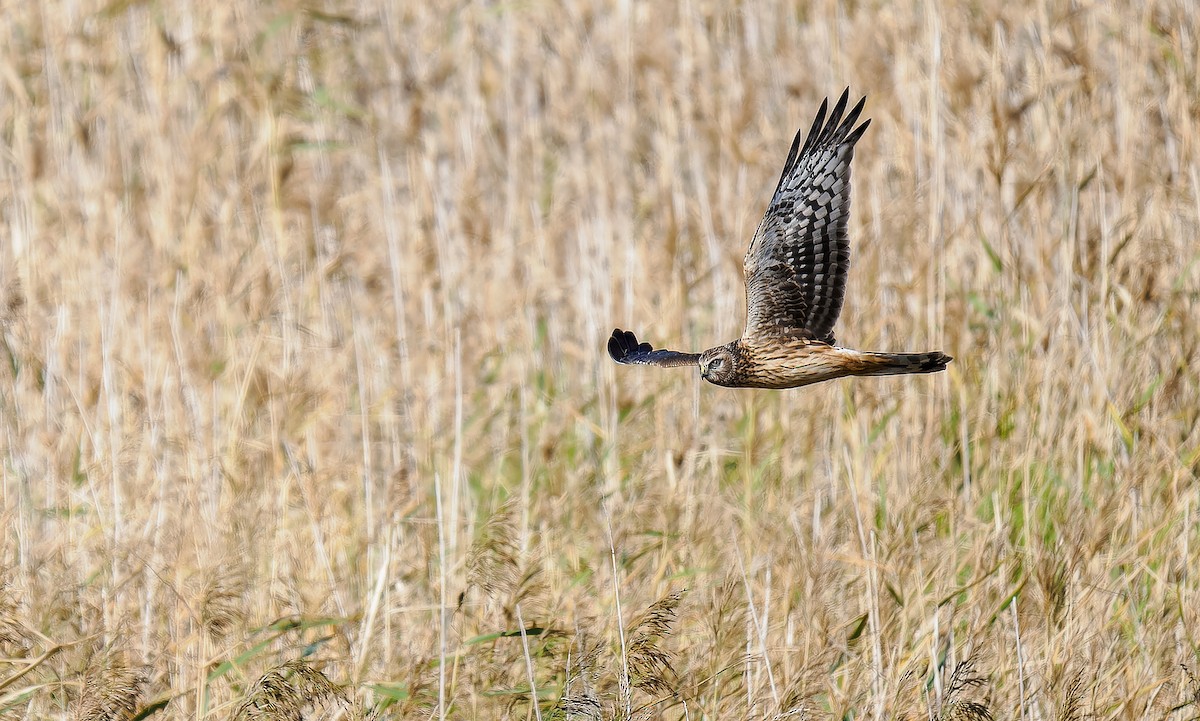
<point>796,265</point>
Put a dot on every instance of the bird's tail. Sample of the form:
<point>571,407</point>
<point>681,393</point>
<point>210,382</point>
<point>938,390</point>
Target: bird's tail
<point>890,364</point>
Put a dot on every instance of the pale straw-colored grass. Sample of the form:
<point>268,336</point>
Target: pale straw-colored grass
<point>302,380</point>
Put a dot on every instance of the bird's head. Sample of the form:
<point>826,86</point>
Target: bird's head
<point>720,365</point>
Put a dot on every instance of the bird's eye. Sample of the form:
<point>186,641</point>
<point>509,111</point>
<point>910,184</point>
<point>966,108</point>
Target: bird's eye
<point>715,363</point>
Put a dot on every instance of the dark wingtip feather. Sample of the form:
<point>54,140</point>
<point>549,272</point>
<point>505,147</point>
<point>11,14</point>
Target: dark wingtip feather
<point>791,158</point>
<point>797,151</point>
<point>834,131</point>
<point>813,133</point>
<point>852,138</point>
<point>835,118</point>
<point>614,346</point>
<point>623,347</point>
<point>842,135</point>
<point>621,344</point>
<point>936,361</point>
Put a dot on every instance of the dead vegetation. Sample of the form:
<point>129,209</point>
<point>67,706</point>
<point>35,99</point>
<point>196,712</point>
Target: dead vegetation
<point>305,413</point>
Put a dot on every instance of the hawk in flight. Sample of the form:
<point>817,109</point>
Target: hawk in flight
<point>795,279</point>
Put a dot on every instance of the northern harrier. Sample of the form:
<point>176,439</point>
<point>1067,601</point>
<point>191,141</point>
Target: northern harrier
<point>795,280</point>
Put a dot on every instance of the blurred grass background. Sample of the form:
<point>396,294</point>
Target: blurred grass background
<point>305,413</point>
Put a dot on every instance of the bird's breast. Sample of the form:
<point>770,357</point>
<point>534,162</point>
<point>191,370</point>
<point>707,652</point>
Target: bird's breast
<point>791,364</point>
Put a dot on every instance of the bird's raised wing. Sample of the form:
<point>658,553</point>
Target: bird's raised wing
<point>796,265</point>
<point>623,346</point>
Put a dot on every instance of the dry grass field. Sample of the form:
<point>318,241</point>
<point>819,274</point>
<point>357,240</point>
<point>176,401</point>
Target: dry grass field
<point>305,411</point>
